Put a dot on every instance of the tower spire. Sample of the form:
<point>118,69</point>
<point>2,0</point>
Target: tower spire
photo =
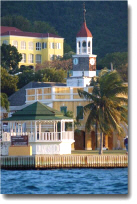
<point>84,11</point>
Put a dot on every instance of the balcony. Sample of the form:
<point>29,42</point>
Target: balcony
<point>41,137</point>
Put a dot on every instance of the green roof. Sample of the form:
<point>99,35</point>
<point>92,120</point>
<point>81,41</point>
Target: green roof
<point>37,111</point>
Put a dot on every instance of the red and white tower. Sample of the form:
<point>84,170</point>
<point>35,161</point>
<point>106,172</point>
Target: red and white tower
<point>84,62</point>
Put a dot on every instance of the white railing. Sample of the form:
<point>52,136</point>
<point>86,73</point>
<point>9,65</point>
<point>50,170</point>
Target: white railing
<point>41,137</point>
<point>69,135</point>
<point>49,136</point>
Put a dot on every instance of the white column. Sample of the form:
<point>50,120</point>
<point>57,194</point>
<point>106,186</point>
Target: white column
<point>40,130</point>
<point>87,46</point>
<point>61,130</point>
<point>15,128</point>
<point>31,127</point>
<point>21,128</point>
<point>80,47</point>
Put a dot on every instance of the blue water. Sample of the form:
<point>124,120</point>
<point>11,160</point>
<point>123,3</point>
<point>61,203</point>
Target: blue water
<point>65,181</point>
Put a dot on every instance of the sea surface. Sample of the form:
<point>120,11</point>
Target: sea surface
<point>65,181</point>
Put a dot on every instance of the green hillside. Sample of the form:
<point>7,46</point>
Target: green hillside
<point>107,20</point>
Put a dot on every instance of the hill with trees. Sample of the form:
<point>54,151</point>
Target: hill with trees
<point>107,21</point>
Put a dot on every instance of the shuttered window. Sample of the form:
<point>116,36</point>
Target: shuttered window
<point>63,109</point>
<point>80,112</point>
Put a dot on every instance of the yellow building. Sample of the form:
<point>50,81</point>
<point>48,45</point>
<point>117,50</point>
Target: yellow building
<point>34,47</point>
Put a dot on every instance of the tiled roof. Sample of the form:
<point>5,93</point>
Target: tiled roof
<point>84,32</point>
<point>4,29</point>
<point>19,97</point>
<point>17,32</point>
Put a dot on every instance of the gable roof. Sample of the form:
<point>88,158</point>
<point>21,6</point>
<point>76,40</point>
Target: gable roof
<point>84,32</point>
<point>5,30</point>
<point>36,111</point>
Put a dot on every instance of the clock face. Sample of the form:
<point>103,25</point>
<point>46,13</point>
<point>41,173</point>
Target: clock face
<point>75,61</point>
<point>92,61</point>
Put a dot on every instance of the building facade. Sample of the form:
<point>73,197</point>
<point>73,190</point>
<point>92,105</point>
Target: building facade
<point>35,47</point>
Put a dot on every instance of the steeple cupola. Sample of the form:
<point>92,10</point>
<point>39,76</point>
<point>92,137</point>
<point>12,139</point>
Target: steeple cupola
<point>84,62</point>
<point>84,38</point>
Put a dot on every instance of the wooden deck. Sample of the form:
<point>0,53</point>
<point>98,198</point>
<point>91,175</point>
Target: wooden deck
<point>63,161</point>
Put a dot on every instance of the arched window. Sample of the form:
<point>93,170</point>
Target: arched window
<point>84,44</point>
<point>30,45</point>
<point>38,46</point>
<point>23,45</point>
<point>89,43</point>
<point>5,42</point>
<point>38,59</point>
<point>23,57</point>
<point>84,47</point>
<point>15,43</point>
<point>31,58</point>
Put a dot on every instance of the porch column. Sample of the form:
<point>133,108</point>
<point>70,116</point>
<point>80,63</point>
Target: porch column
<point>15,128</point>
<point>18,128</point>
<point>61,130</point>
<point>40,130</point>
<point>21,128</point>
<point>35,131</point>
<point>12,128</point>
<point>31,127</point>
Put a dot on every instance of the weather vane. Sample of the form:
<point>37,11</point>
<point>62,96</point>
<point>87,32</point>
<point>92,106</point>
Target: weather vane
<point>84,11</point>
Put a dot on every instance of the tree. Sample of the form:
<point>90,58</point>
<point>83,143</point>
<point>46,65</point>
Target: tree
<point>59,64</point>
<point>50,75</point>
<point>119,61</point>
<point>106,101</point>
<point>8,82</point>
<point>4,101</point>
<point>25,77</point>
<point>10,57</point>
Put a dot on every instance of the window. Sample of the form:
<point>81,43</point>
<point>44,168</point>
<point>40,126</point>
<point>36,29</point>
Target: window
<point>31,58</point>
<point>84,44</point>
<point>23,57</point>
<point>52,45</point>
<point>63,109</point>
<point>15,43</point>
<point>51,57</point>
<point>80,112</point>
<point>31,46</point>
<point>79,43</point>
<point>38,46</point>
<point>23,45</point>
<point>5,42</point>
<point>58,46</point>
<point>89,44</point>
<point>38,58</point>
<point>44,45</point>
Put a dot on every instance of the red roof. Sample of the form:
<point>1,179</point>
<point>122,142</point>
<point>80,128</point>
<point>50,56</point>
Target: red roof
<point>17,32</point>
<point>84,32</point>
<point>6,28</point>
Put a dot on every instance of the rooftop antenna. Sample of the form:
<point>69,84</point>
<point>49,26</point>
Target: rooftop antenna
<point>84,11</point>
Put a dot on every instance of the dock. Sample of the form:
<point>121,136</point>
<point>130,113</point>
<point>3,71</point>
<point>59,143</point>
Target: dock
<point>63,161</point>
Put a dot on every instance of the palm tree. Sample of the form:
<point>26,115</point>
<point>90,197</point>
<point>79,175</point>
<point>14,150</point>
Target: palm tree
<point>106,107</point>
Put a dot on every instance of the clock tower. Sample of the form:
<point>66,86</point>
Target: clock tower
<point>84,62</point>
